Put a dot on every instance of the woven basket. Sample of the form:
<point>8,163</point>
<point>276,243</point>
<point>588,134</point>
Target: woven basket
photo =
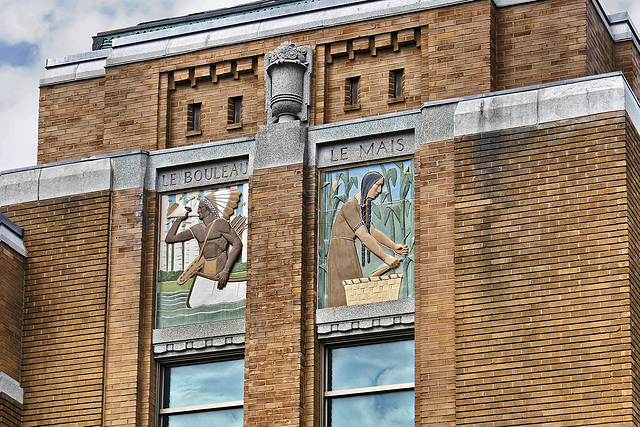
<point>372,289</point>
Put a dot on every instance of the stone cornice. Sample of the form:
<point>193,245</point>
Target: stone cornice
<point>117,171</point>
<point>529,106</point>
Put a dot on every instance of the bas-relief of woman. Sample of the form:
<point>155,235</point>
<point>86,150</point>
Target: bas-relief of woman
<point>354,220</point>
<point>214,234</point>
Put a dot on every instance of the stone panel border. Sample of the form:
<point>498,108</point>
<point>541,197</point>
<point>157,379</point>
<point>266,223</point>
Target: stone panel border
<point>199,338</point>
<point>381,317</point>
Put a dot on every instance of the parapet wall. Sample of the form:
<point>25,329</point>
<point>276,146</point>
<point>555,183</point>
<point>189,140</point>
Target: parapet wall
<point>137,94</point>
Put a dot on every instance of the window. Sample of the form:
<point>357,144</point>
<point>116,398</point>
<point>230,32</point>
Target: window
<point>352,93</point>
<point>209,393</point>
<point>396,85</point>
<point>193,117</point>
<point>234,111</point>
<point>370,384</point>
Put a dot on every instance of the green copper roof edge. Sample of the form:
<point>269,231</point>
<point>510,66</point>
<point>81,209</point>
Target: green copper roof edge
<point>107,37</point>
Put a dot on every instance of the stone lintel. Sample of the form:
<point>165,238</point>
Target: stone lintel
<point>362,140</point>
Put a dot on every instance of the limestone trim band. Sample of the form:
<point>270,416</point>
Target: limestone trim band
<point>395,316</point>
<point>196,339</point>
<point>11,388</point>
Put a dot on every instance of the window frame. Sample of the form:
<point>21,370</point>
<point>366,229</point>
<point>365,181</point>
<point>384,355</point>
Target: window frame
<point>352,90</point>
<point>194,118</point>
<point>208,407</point>
<point>234,112</point>
<point>396,90</point>
<point>328,395</point>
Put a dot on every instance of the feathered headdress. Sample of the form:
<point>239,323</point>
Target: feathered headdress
<point>222,203</point>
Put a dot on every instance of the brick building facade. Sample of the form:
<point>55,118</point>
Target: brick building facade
<point>506,132</point>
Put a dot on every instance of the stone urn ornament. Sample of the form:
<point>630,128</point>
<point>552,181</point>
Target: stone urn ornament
<point>287,73</point>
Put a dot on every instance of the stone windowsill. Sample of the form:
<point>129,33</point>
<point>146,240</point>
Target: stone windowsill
<point>233,126</point>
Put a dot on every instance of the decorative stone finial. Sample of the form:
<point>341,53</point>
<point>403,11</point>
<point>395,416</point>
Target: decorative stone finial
<point>287,73</point>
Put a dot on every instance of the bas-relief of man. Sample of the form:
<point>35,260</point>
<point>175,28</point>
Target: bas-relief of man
<point>214,235</point>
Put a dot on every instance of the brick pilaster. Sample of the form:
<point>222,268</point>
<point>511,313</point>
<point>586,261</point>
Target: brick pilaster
<point>128,388</point>
<point>459,46</point>
<point>435,286</point>
<point>275,305</point>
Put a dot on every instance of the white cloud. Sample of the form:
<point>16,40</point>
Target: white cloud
<point>64,27</point>
<point>60,28</point>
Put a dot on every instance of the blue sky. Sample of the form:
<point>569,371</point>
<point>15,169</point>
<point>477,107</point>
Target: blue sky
<point>20,54</point>
<point>33,30</point>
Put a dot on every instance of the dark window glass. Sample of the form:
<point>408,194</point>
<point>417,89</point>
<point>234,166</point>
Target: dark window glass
<point>396,85</point>
<point>372,365</point>
<point>380,410</point>
<point>193,117</point>
<point>353,91</point>
<point>234,110</point>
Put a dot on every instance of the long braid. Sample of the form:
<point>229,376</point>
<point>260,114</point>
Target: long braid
<point>368,225</point>
<point>363,215</point>
<point>368,181</point>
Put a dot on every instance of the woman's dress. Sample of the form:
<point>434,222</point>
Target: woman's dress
<point>343,262</point>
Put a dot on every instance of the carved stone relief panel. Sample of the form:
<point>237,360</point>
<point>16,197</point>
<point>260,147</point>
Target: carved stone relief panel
<point>366,234</point>
<point>202,262</point>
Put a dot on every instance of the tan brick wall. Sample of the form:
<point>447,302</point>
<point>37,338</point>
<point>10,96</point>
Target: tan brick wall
<point>627,60</point>
<point>459,51</point>
<point>275,337</point>
<point>435,369</point>
<point>600,53</point>
<point>542,275</point>
<point>12,277</point>
<point>214,99</point>
<point>64,310</point>
<point>541,42</point>
<point>10,411</point>
<point>71,115</point>
<point>147,387</point>
<point>131,107</point>
<point>142,112</point>
<point>372,58</point>
<point>129,368</point>
<point>311,356</point>
<point>633,227</point>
